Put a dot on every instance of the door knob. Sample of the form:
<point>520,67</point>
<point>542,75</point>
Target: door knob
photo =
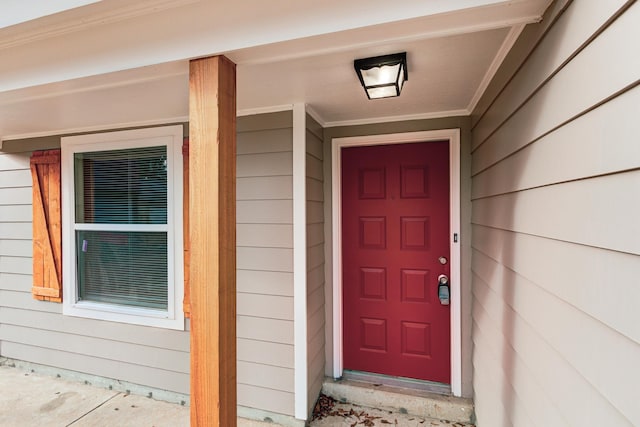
<point>443,289</point>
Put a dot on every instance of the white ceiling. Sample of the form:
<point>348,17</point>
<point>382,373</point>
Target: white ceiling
<point>451,57</point>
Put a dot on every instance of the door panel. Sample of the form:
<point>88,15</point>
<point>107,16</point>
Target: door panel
<point>395,226</point>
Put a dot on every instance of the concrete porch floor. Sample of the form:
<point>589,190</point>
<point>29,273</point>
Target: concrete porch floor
<point>31,399</point>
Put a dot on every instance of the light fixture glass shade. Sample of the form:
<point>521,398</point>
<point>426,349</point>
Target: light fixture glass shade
<point>382,92</point>
<point>382,76</point>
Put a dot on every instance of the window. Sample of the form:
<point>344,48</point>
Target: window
<point>122,226</point>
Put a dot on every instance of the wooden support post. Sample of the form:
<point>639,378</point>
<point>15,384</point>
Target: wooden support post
<point>212,194</point>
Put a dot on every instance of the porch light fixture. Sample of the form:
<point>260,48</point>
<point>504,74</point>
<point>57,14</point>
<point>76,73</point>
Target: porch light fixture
<point>382,76</point>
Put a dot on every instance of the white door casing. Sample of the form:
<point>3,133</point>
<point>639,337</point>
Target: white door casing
<point>451,135</point>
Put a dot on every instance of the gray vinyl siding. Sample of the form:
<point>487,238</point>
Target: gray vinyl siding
<point>555,250</point>
<point>315,261</point>
<point>37,332</point>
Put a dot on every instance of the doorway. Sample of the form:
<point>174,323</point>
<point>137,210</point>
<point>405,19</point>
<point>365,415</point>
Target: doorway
<point>396,231</point>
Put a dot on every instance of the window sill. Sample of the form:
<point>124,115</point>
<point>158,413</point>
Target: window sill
<point>122,314</point>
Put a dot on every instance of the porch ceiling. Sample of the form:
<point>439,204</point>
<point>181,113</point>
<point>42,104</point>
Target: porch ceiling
<point>452,53</point>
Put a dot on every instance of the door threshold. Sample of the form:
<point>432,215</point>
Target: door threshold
<point>399,382</point>
<point>400,399</point>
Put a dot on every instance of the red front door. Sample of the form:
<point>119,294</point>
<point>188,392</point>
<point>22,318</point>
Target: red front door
<point>395,244</point>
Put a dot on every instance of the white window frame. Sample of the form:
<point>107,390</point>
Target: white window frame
<point>171,137</point>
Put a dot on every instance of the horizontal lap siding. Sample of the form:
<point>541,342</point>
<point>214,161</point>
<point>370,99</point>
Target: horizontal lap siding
<point>35,331</point>
<point>556,173</point>
<point>265,269</point>
<point>315,261</point>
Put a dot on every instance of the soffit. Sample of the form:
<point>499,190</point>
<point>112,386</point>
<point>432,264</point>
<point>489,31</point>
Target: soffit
<point>451,54</point>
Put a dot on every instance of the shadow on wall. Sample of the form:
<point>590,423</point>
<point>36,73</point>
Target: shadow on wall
<point>495,208</point>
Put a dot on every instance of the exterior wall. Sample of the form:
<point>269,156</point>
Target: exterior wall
<point>265,262</point>
<point>556,254</point>
<point>36,331</point>
<point>315,262</point>
<point>462,123</point>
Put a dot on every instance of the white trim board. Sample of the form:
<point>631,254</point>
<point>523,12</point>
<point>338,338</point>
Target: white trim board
<point>453,136</point>
<point>505,48</point>
<point>300,261</point>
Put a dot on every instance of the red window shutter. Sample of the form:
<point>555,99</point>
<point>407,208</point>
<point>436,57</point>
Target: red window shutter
<point>47,228</point>
<point>186,303</point>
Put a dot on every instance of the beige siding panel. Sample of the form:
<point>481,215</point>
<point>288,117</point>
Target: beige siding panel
<point>25,145</point>
<point>314,167</point>
<point>315,212</point>
<point>314,145</point>
<point>169,360</point>
<point>315,262</point>
<point>271,377</point>
<point>267,121</point>
<point>265,282</point>
<point>315,278</point>
<point>264,164</point>
<point>316,320</point>
<point>266,259</point>
<point>266,353</point>
<point>15,282</point>
<point>316,342</point>
<point>137,374</point>
<point>265,399</point>
<point>315,256</point>
<point>580,275</point>
<point>271,330</point>
<point>573,27</point>
<point>15,230</point>
<point>315,234</point>
<point>315,189</point>
<point>488,397</point>
<point>314,378</point>
<point>555,257</point>
<point>18,265</point>
<point>559,211</point>
<point>15,178</point>
<point>584,342</point>
<point>16,248</point>
<point>315,387</point>
<point>132,334</point>
<point>15,196</point>
<point>316,364</point>
<point>264,212</point>
<point>496,362</point>
<point>315,301</point>
<point>265,262</point>
<point>14,161</point>
<point>264,188</point>
<point>24,300</point>
<point>15,213</point>
<point>265,141</point>
<point>526,42</point>
<point>561,381</point>
<point>314,128</point>
<point>271,306</point>
<point>265,235</point>
<point>599,71</point>
<point>580,149</point>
